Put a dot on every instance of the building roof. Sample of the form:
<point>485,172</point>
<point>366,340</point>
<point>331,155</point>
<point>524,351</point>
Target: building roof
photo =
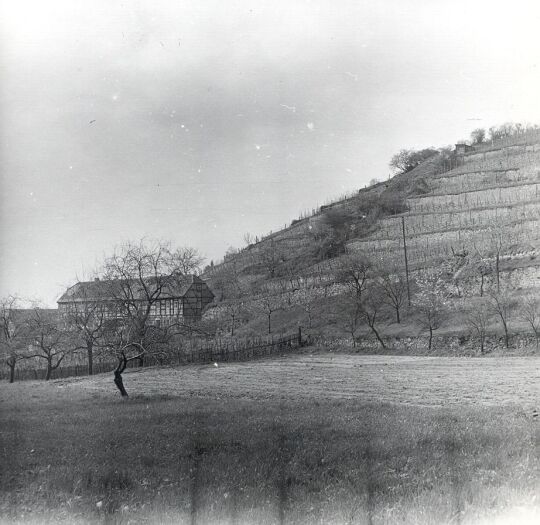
<point>101,290</point>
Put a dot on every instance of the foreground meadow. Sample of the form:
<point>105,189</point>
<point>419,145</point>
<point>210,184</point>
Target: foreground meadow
<point>300,439</point>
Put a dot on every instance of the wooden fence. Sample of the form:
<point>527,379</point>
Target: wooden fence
<point>219,350</point>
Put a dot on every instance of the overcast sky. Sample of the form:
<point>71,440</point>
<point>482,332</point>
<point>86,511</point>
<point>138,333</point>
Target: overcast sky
<point>198,121</point>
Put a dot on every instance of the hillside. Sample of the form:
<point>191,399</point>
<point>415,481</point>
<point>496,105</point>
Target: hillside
<point>455,208</point>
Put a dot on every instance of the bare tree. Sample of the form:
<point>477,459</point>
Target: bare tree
<point>47,340</point>
<point>187,260</point>
<point>271,256</point>
<point>369,309</point>
<point>268,303</point>
<point>393,287</point>
<point>351,317</point>
<point>232,292</point>
<point>355,271</point>
<point>135,278</point>
<point>478,318</point>
<point>233,310</point>
<point>431,301</point>
<point>86,321</point>
<point>530,313</point>
<point>12,333</point>
<point>501,305</point>
<point>308,299</point>
<point>483,268</point>
<point>125,342</point>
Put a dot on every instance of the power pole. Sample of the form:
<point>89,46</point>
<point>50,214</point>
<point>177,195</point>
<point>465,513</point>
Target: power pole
<point>406,261</point>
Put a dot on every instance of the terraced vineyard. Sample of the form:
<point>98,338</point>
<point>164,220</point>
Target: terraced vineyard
<point>496,189</point>
<point>453,210</point>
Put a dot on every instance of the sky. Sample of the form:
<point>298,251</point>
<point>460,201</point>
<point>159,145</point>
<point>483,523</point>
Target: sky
<point>199,121</point>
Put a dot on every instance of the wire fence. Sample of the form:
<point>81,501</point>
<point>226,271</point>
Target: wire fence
<point>218,350</point>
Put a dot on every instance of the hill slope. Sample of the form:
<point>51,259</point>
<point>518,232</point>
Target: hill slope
<point>455,209</point>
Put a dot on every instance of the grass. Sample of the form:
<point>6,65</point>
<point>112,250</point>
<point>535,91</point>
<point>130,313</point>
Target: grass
<point>72,451</point>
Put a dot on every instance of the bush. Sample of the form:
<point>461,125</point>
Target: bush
<point>407,159</point>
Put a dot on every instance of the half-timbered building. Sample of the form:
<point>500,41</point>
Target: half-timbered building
<point>170,299</point>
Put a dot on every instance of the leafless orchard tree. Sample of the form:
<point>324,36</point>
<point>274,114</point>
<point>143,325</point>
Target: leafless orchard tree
<point>123,339</point>
<point>393,288</point>
<point>47,340</point>
<point>478,319</point>
<point>136,276</point>
<point>269,302</point>
<point>86,323</point>
<point>364,293</point>
<point>307,299</point>
<point>483,268</point>
<point>530,313</point>
<point>234,312</point>
<point>355,271</point>
<point>350,317</point>
<point>370,307</point>
<point>501,304</point>
<point>271,256</point>
<point>431,301</point>
<point>12,333</point>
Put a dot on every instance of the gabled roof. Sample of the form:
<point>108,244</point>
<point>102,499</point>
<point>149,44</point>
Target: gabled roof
<point>102,290</point>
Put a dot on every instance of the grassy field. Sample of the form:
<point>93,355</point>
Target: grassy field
<point>300,439</point>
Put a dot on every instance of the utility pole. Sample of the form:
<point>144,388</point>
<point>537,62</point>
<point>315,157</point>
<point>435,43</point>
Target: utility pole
<point>406,261</point>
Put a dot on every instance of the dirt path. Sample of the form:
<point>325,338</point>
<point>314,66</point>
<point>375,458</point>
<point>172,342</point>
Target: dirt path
<point>420,381</point>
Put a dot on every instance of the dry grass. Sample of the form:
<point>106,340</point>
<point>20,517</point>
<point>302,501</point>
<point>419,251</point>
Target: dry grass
<point>305,439</point>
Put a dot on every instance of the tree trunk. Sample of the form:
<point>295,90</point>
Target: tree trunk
<point>122,363</point>
<point>90,353</point>
<point>430,338</point>
<point>374,330</point>
<point>497,272</point>
<point>506,337</point>
<point>49,371</point>
<point>482,285</point>
<point>269,323</point>
<point>12,371</point>
<point>397,316</point>
<point>120,383</point>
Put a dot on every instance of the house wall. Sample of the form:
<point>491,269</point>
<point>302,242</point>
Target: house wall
<point>191,305</point>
